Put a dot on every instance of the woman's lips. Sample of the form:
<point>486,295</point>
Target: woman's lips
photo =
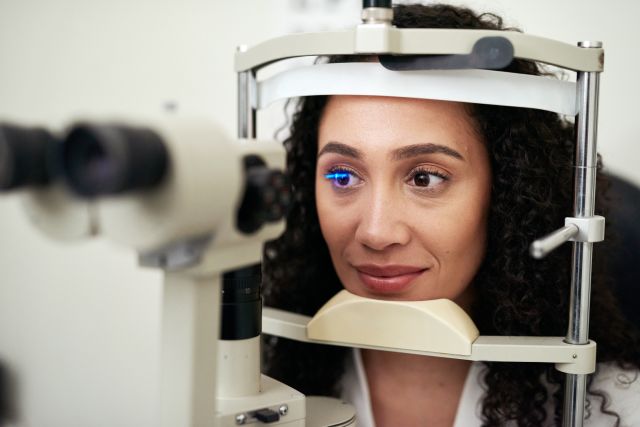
<point>388,279</point>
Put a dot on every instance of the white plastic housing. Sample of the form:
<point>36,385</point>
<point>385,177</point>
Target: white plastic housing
<point>371,78</point>
<point>200,195</point>
<point>385,39</point>
<point>58,214</point>
<point>203,185</point>
<point>190,328</point>
<point>590,229</point>
<point>238,368</point>
<point>273,395</point>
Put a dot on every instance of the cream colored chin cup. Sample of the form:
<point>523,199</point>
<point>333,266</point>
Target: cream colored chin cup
<point>437,326</point>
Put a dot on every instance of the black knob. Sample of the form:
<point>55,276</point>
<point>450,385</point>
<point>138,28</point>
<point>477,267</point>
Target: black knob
<point>27,157</point>
<point>376,3</point>
<point>267,415</point>
<point>112,159</point>
<point>266,197</point>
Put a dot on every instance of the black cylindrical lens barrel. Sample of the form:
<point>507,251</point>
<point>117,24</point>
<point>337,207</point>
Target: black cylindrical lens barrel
<point>113,159</point>
<point>241,304</point>
<point>8,396</point>
<point>26,157</point>
<point>376,3</point>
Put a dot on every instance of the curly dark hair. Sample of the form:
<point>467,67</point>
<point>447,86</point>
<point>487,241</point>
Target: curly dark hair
<point>531,154</point>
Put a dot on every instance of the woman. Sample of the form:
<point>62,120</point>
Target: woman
<point>418,199</point>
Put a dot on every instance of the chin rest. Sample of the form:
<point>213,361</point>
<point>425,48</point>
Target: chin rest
<point>431,328</point>
<point>438,326</point>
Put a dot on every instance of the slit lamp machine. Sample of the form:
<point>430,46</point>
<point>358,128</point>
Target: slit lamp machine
<point>199,205</point>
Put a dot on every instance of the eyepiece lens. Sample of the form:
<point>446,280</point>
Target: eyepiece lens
<point>98,162</point>
<point>26,157</point>
<point>113,159</point>
<point>6,165</point>
<point>92,165</point>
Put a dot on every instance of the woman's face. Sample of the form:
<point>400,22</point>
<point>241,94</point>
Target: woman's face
<point>402,191</point>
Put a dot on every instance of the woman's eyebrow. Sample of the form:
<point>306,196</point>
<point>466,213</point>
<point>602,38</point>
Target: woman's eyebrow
<point>418,149</point>
<point>339,148</point>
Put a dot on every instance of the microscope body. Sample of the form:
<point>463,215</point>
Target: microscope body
<point>208,215</point>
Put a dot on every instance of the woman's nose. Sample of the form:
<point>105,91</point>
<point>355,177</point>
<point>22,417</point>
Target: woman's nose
<point>383,223</point>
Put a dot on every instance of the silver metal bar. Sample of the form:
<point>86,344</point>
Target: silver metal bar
<point>574,391</point>
<point>578,330</point>
<point>583,206</point>
<point>585,186</point>
<point>377,15</point>
<point>543,246</point>
<point>586,159</point>
<point>246,110</point>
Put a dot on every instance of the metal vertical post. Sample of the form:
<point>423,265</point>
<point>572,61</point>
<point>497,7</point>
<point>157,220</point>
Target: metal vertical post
<point>246,96</point>
<point>583,206</point>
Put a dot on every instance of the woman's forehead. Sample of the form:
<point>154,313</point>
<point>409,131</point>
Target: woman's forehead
<point>389,122</point>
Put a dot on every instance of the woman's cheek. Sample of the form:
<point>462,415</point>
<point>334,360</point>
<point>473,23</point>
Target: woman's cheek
<point>330,223</point>
<point>325,210</point>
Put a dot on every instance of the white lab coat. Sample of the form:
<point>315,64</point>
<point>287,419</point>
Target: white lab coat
<point>624,396</point>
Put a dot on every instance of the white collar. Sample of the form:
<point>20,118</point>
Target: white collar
<point>621,386</point>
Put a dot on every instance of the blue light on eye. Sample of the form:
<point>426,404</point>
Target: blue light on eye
<point>337,175</point>
<point>341,179</point>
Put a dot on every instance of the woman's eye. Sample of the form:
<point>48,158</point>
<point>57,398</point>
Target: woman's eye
<point>425,179</point>
<point>343,178</point>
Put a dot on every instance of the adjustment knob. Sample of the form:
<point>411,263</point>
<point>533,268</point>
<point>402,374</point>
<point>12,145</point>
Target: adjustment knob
<point>267,416</point>
<point>266,198</point>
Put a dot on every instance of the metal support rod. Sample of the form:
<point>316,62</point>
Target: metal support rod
<point>583,206</point>
<point>575,391</point>
<point>543,246</point>
<point>578,330</point>
<point>246,110</point>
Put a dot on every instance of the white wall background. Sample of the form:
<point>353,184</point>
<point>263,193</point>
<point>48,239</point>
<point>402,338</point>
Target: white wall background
<point>79,323</point>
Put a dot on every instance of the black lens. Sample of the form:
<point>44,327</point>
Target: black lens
<point>27,157</point>
<point>113,159</point>
<point>94,160</point>
<point>100,166</point>
<point>8,398</point>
